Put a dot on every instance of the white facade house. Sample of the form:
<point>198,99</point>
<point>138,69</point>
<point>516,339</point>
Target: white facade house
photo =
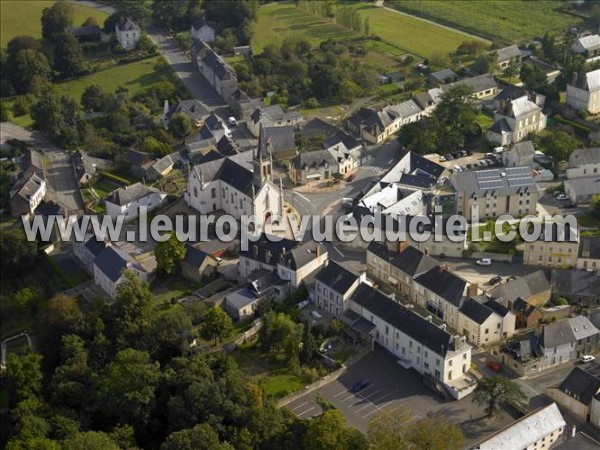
<point>484,321</point>
<point>334,285</point>
<point>518,119</point>
<point>583,93</point>
<point>584,162</point>
<point>272,116</point>
<point>27,193</point>
<point>128,33</point>
<point>588,47</point>
<point>128,201</point>
<point>109,266</point>
<point>202,30</point>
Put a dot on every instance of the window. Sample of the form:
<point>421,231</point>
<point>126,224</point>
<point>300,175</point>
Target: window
<point>450,375</point>
<point>450,362</point>
<point>387,330</point>
<point>437,362</point>
<point>487,331</point>
<point>464,356</point>
<point>426,354</point>
<point>213,193</point>
<point>410,344</point>
<point>426,365</point>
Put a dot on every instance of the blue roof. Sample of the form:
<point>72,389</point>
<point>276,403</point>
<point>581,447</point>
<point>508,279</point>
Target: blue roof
<point>194,257</point>
<point>112,261</point>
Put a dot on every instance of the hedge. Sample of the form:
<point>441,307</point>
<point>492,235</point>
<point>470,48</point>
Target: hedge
<point>576,125</point>
<point>116,178</point>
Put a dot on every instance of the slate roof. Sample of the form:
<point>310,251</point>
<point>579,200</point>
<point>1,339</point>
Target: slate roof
<point>112,261</point>
<point>341,137</point>
<point>476,311</point>
<point>502,182</point>
<point>194,257</point>
<point>589,247</point>
<point>582,383</point>
<point>300,255</point>
<point>444,283</point>
<point>279,138</point>
<point>522,307</point>
<point>236,176</point>
<point>497,307</point>
<point>522,287</point>
<point>336,277</point>
<point>192,108</point>
<point>442,76</point>
<point>510,92</point>
<point>267,251</point>
<point>507,53</point>
<point>163,164</point>
<point>576,283</point>
<point>25,188</point>
<point>241,298</point>
<point>501,127</point>
<point>88,30</point>
<point>215,62</point>
<point>33,162</point>
<point>413,261</point>
<point>126,24</point>
<point>314,160</point>
<point>589,43</point>
<point>582,156</point>
<point>403,319</point>
<point>567,331</point>
<point>95,246</point>
<point>360,116</point>
<point>138,158</point>
<point>584,186</point>
<point>380,250</point>
<point>128,194</point>
<point>478,83</point>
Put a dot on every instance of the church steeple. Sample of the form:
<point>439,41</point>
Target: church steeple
<point>263,159</point>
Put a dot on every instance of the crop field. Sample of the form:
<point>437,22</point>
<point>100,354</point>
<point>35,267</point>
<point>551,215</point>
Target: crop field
<point>510,21</point>
<point>18,17</point>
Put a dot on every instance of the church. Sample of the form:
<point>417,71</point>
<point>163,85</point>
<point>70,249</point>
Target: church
<point>227,184</point>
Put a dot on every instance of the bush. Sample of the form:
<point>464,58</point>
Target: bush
<point>311,103</point>
<point>21,106</point>
<point>6,114</point>
<point>115,178</point>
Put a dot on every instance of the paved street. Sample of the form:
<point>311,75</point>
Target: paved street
<point>468,269</point>
<point>62,185</point>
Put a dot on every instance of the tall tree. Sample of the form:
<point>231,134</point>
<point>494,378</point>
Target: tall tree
<point>217,324</point>
<point>56,18</point>
<point>534,78</point>
<point>57,116</point>
<point>495,392</point>
<point>434,433</point>
<point>68,57</point>
<point>168,254</point>
<point>90,440</point>
<point>329,431</point>
<point>180,125</point>
<point>201,437</point>
<point>455,118</point>
<point>16,44</point>
<point>17,253</point>
<point>24,375</point>
<point>132,310</point>
<point>26,69</point>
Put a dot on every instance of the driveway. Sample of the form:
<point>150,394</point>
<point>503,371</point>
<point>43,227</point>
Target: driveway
<point>392,388</point>
<point>62,185</point>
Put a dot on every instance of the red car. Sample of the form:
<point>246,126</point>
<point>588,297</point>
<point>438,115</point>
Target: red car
<point>350,178</point>
<point>494,366</point>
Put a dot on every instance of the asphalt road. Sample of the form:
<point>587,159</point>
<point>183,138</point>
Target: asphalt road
<point>62,185</point>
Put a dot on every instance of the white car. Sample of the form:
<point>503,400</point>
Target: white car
<point>232,122</point>
<point>587,358</point>
<point>302,304</point>
<point>562,197</point>
<point>316,314</point>
<point>484,262</point>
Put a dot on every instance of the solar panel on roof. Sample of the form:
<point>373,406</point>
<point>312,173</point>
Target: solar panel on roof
<point>492,184</point>
<point>516,182</point>
<point>485,174</point>
<point>515,171</point>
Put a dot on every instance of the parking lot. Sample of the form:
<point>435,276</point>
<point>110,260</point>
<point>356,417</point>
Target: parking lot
<point>391,387</point>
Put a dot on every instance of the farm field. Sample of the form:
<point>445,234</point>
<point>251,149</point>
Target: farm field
<point>18,17</point>
<point>511,21</point>
<point>134,76</point>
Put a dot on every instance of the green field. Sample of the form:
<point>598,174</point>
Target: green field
<point>401,33</point>
<point>510,21</point>
<point>134,76</point>
<point>19,17</point>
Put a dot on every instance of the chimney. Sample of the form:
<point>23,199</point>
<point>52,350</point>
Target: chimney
<point>443,266</point>
<point>472,290</point>
<point>573,431</point>
<point>456,342</point>
<point>318,250</point>
<point>402,245</point>
<point>426,251</point>
<point>429,318</point>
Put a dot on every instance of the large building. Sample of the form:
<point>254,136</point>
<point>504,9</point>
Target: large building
<point>516,120</point>
<point>583,92</point>
<point>556,247</point>
<point>272,116</point>
<point>583,174</point>
<point>128,33</point>
<point>128,201</point>
<point>334,284</point>
<point>108,267</point>
<point>495,192</point>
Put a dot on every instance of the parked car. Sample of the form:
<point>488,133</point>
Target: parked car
<point>484,262</point>
<point>489,155</point>
<point>232,122</point>
<point>442,158</point>
<point>587,358</point>
<point>510,278</point>
<point>316,314</point>
<point>303,304</point>
<point>360,385</point>
<point>562,197</point>
<point>449,157</point>
<point>457,169</point>
<point>463,153</point>
<point>347,201</point>
<point>494,366</point>
<point>350,178</point>
<point>495,280</point>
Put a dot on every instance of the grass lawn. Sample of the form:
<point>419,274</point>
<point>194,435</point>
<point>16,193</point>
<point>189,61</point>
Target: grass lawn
<point>103,187</point>
<point>588,220</point>
<point>135,77</point>
<point>278,386</point>
<point>511,21</point>
<point>485,121</point>
<point>18,17</point>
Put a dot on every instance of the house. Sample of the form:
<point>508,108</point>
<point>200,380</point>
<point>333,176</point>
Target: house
<point>507,94</point>
<point>334,285</point>
<point>588,257</point>
<point>272,116</point>
<point>197,264</point>
<point>138,162</point>
<point>26,194</point>
<point>485,322</point>
<point>385,122</point>
<point>527,315</point>
<point>398,269</point>
<point>567,340</point>
<point>442,293</point>
<point>318,165</point>
<point>533,288</point>
<point>354,122</point>
<point>109,265</point>
<point>519,155</point>
<point>160,168</point>
<point>583,92</point>
<point>583,163</point>
<point>495,192</point>
<point>242,50</point>
<point>46,210</point>
<point>483,86</point>
<point>556,247</point>
<point>202,30</point>
<point>224,184</point>
<point>442,77</point>
<point>581,190</point>
<point>243,104</point>
<point>345,149</point>
<point>85,170</point>
<point>516,120</point>
<point>192,108</point>
<point>579,393</point>
<point>580,287</point>
<point>242,304</point>
<point>128,201</point>
<point>588,47</point>
<point>427,101</point>
<point>128,33</point>
<point>506,56</point>
<point>539,429</point>
<point>439,356</point>
<point>279,140</point>
<point>215,70</point>
<point>87,33</point>
<point>86,250</point>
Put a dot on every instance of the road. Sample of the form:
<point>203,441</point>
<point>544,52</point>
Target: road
<point>469,270</point>
<point>62,185</point>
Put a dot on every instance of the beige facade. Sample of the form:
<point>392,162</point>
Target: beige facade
<point>495,329</point>
<point>559,255</point>
<point>493,205</point>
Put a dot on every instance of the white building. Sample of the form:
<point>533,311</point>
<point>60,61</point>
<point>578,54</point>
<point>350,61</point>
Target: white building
<point>538,430</point>
<point>484,321</point>
<point>272,116</point>
<point>584,162</point>
<point>202,30</point>
<point>109,266</point>
<point>588,47</point>
<point>518,119</point>
<point>334,285</point>
<point>128,201</point>
<point>583,93</point>
<point>128,33</point>
<point>26,194</point>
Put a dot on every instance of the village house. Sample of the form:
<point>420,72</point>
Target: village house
<point>138,162</point>
<point>318,165</point>
<point>85,170</point>
<point>484,321</point>
<point>506,56</point>
<point>219,74</point>
<point>192,108</point>
<point>128,33</point>
<point>556,247</point>
<point>519,155</point>
<point>442,77</point>
<point>272,116</point>
<point>160,168</point>
<point>87,33</point>
<point>588,47</point>
<point>495,192</point>
<point>483,86</point>
<point>128,201</point>
<point>333,287</point>
<point>86,250</point>
<point>29,189</point>
<point>533,288</point>
<point>202,30</point>
<point>197,264</point>
<point>583,174</point>
<point>528,316</point>
<point>279,140</point>
<point>581,190</point>
<point>580,287</point>
<point>583,92</point>
<point>588,257</point>
<point>109,265</point>
<point>516,120</point>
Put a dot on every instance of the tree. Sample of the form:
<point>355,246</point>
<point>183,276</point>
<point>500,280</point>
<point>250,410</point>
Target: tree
<point>533,77</point>
<point>125,388</point>
<point>90,440</point>
<point>17,253</point>
<point>168,254</point>
<point>132,310</point>
<point>559,145</point>
<point>154,146</point>
<point>68,57</point>
<point>454,118</point>
<point>434,433</point>
<point>512,70</point>
<point>180,125</point>
<point>495,392</point>
<point>94,99</point>
<point>561,301</point>
<point>440,59</point>
<point>328,431</point>
<point>280,333</point>
<point>90,22</point>
<point>26,69</point>
<point>168,335</point>
<point>310,347</point>
<point>57,116</point>
<point>337,177</point>
<point>471,48</point>
<point>70,382</point>
<point>16,44</point>
<point>201,437</point>
<point>24,375</point>
<point>485,62</point>
<point>56,18</point>
<point>217,324</point>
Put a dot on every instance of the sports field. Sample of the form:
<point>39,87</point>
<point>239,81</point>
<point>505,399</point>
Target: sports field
<point>23,17</point>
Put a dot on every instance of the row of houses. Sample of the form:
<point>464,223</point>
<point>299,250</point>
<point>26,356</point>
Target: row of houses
<point>29,189</point>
